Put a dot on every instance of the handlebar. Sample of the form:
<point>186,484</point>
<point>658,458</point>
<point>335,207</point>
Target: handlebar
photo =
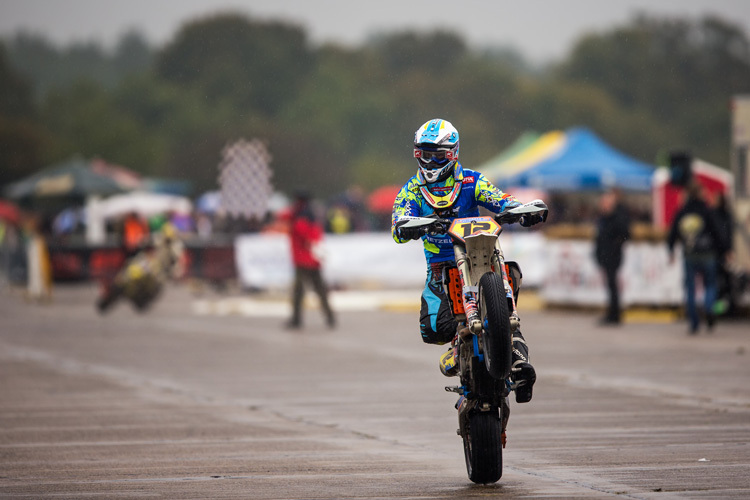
<point>536,208</point>
<point>432,225</point>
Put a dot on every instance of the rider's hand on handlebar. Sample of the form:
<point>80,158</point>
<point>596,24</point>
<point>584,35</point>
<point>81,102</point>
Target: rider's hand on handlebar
<point>439,227</point>
<point>411,233</point>
<point>531,219</point>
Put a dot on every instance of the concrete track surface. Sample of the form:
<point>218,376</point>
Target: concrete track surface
<point>186,403</point>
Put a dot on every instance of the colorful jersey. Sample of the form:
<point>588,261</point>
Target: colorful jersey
<point>476,191</point>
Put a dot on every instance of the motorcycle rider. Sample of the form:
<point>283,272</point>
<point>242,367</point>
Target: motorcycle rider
<point>141,277</point>
<point>443,187</point>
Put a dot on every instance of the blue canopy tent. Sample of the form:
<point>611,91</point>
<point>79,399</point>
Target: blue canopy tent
<point>585,162</point>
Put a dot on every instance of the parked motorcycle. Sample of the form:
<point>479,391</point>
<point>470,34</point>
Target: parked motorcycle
<point>483,289</point>
<point>142,278</point>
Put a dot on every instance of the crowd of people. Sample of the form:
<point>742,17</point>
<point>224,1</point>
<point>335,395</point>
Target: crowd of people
<point>24,244</point>
<point>703,228</point>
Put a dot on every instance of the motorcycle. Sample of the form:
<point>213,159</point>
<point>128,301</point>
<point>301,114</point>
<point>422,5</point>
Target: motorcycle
<point>142,278</point>
<point>482,289</point>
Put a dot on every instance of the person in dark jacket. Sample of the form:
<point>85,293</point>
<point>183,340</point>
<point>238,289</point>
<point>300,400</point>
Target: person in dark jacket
<point>306,236</point>
<point>726,293</point>
<point>695,227</point>
<point>613,230</point>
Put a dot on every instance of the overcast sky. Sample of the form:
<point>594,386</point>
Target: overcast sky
<point>540,30</point>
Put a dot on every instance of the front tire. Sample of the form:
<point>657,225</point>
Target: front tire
<point>108,298</point>
<point>498,341</point>
<point>483,449</point>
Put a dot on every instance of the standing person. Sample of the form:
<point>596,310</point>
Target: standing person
<point>39,282</point>
<point>135,234</point>
<point>443,187</point>
<point>306,236</point>
<point>725,291</point>
<point>612,231</point>
<point>696,229</point>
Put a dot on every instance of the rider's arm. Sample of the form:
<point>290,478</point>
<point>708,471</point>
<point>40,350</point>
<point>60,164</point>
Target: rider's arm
<point>491,198</point>
<point>405,205</point>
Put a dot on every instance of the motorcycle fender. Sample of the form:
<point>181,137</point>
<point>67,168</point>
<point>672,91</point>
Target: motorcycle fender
<point>479,250</point>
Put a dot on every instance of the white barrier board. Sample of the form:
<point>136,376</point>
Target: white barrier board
<point>564,270</point>
<point>646,277</point>
<point>366,259</point>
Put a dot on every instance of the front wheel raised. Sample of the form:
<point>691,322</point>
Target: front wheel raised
<point>498,341</point>
<point>483,447</point>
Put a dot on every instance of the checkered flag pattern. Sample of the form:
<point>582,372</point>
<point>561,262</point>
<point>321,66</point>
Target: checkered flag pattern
<point>245,179</point>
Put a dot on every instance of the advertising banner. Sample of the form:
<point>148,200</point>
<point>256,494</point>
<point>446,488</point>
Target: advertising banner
<point>371,260</point>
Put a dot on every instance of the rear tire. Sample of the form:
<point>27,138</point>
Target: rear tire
<point>498,342</point>
<point>483,449</point>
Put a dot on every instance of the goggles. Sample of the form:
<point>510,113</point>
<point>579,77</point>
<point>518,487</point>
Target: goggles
<point>439,157</point>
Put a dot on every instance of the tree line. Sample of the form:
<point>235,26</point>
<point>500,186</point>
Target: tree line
<point>334,116</point>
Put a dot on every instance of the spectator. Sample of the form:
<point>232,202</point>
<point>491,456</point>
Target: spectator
<point>135,234</point>
<point>339,220</point>
<point>696,229</point>
<point>306,236</point>
<point>613,230</point>
<point>39,284</point>
<point>10,247</point>
<point>726,300</point>
<point>204,226</point>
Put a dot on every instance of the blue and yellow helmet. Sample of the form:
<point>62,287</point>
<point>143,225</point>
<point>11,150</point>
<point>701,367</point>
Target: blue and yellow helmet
<point>436,150</point>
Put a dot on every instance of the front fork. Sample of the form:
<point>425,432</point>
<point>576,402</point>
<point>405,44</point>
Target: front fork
<point>469,290</point>
<point>498,262</point>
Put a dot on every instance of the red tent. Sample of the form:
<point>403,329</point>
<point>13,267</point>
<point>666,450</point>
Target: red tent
<point>9,212</point>
<point>667,197</point>
<point>381,200</point>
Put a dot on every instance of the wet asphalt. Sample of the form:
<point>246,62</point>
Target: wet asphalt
<point>192,400</point>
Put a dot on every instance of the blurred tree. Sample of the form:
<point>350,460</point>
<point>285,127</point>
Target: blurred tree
<point>679,72</point>
<point>87,122</point>
<point>51,68</point>
<point>256,65</point>
<point>342,109</point>
<point>21,137</point>
<point>333,116</point>
<point>15,90</point>
<point>433,53</point>
<point>35,57</point>
<point>132,55</point>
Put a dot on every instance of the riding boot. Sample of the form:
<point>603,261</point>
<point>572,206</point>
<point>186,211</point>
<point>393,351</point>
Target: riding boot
<point>449,360</point>
<point>523,374</point>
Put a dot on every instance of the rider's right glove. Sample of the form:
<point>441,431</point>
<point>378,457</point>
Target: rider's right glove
<point>411,233</point>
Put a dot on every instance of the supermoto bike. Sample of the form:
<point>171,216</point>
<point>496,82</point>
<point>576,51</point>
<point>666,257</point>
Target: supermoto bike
<point>482,289</point>
<point>142,278</point>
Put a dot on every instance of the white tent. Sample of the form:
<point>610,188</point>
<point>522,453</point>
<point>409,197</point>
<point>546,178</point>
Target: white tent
<point>144,203</point>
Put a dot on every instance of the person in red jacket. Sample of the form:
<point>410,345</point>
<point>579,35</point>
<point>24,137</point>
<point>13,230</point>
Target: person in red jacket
<point>306,237</point>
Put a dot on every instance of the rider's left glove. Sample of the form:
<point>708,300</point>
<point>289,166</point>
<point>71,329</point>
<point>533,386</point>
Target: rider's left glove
<point>530,220</point>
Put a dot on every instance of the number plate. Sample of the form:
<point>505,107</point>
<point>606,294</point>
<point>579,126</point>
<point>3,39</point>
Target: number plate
<point>461,228</point>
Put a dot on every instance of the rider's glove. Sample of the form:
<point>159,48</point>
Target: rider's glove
<point>531,219</point>
<point>411,233</point>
